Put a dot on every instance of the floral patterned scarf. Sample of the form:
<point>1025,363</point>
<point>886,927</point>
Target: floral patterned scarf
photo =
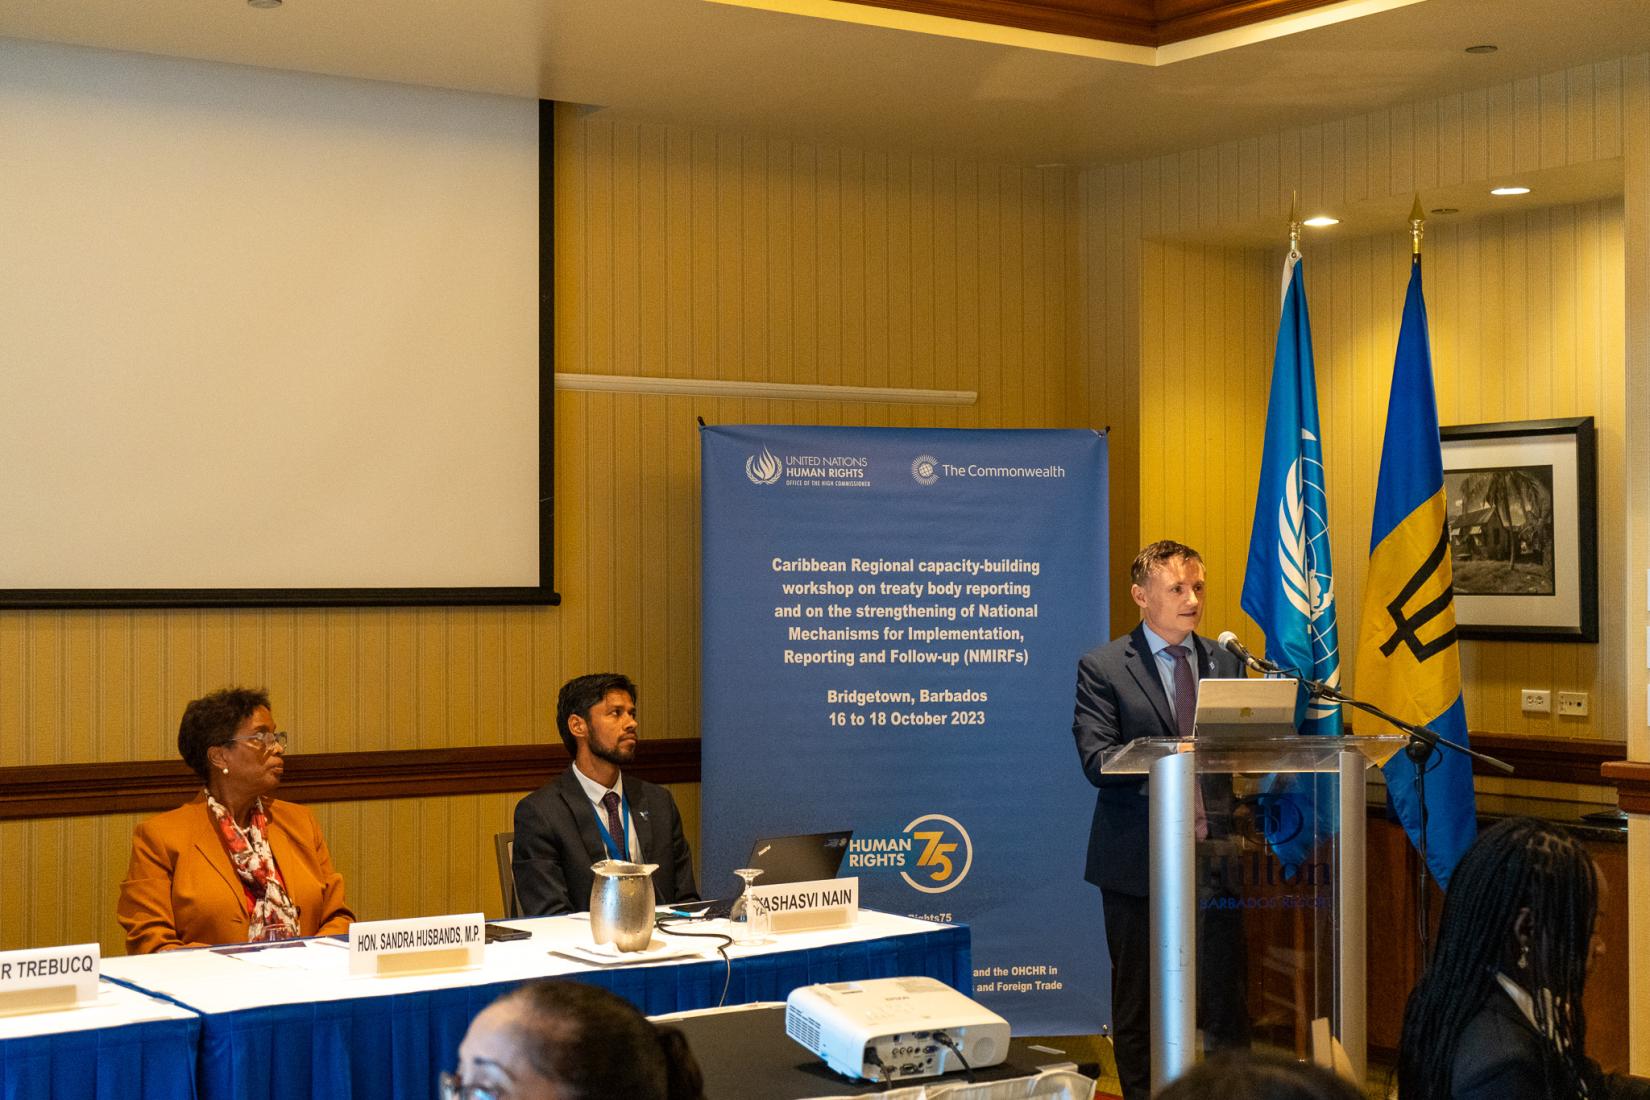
<point>274,916</point>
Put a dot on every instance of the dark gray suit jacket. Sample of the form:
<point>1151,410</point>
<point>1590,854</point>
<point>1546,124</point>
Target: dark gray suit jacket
<point>557,840</point>
<point>1499,1057</point>
<point>1120,697</point>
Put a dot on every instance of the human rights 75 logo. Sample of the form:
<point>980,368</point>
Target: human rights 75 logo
<point>944,853</point>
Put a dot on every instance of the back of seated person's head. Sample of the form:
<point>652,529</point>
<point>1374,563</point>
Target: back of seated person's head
<point>1522,905</point>
<point>570,1041</point>
<point>1249,1075</point>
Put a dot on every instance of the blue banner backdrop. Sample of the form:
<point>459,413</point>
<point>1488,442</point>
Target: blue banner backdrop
<point>892,619</point>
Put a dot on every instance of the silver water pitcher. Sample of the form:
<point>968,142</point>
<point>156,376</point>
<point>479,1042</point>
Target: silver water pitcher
<point>621,904</point>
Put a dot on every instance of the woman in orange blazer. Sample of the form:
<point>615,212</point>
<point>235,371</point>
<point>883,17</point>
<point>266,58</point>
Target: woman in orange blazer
<point>233,865</point>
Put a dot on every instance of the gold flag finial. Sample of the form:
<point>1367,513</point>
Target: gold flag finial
<point>1417,222</point>
<point>1294,223</point>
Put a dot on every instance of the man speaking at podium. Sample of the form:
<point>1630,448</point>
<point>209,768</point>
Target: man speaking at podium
<point>1144,684</point>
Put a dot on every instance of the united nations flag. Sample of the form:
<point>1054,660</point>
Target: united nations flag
<point>1288,588</point>
<point>1409,661</point>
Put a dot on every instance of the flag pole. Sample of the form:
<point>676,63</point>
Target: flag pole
<point>1412,476</point>
<point>1419,749</point>
<point>1294,256</point>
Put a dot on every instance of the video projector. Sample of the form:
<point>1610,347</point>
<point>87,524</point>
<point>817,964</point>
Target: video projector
<point>891,1029</point>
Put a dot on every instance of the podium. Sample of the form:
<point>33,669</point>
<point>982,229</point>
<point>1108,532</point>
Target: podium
<point>1281,869</point>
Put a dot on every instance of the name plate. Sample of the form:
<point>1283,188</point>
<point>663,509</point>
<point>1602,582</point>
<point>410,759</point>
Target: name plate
<point>803,906</point>
<point>41,979</point>
<point>418,945</point>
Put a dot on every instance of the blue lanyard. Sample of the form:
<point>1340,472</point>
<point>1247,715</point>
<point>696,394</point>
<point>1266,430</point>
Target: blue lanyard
<point>614,851</point>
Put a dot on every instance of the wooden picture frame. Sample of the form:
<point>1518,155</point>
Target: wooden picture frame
<point>1521,499</point>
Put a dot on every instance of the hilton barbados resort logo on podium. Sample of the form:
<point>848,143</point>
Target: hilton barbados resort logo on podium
<point>809,471</point>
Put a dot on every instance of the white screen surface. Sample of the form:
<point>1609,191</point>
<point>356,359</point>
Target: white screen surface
<point>264,330</point>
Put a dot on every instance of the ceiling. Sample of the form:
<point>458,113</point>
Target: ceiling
<point>1140,22</point>
<point>828,79</point>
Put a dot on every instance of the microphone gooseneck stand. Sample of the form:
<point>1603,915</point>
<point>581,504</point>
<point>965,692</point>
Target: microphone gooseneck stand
<point>1422,743</point>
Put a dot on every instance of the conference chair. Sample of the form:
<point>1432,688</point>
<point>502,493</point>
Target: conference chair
<point>504,844</point>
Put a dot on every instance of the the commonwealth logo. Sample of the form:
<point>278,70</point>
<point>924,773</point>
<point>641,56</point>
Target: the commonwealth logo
<point>926,469</point>
<point>764,468</point>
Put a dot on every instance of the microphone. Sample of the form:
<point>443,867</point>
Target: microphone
<point>1229,642</point>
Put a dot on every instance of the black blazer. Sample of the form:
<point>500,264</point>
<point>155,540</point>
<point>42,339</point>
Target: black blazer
<point>1498,1057</point>
<point>1120,697</point>
<point>557,840</point>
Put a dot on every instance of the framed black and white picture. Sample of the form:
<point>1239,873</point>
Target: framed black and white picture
<point>1523,533</point>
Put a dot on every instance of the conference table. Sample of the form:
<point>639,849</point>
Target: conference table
<point>126,1044</point>
<point>290,1023</point>
<point>745,1052</point>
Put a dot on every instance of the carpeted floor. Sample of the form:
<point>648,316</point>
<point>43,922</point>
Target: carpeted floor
<point>1096,1049</point>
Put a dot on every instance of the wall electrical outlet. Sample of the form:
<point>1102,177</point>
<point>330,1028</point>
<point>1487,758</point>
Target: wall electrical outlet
<point>1534,701</point>
<point>1572,704</point>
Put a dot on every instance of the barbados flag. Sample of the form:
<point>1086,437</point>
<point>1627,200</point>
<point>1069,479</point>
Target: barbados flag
<point>1409,661</point>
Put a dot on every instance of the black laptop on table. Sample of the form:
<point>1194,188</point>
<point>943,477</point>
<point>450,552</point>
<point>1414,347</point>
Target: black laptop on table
<point>806,857</point>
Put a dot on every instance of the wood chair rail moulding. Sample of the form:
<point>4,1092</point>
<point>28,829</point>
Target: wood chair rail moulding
<point>1549,759</point>
<point>1542,759</point>
<point>1632,782</point>
<point>80,790</point>
<point>1131,22</point>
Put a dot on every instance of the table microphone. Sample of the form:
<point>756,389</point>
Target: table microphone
<point>1229,642</point>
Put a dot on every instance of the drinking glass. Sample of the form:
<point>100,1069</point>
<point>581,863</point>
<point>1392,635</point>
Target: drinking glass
<point>753,929</point>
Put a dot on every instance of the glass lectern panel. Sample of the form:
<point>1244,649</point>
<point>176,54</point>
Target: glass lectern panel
<point>1257,859</point>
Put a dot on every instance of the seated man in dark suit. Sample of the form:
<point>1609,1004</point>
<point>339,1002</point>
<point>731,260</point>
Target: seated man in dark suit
<point>592,812</point>
<point>1144,684</point>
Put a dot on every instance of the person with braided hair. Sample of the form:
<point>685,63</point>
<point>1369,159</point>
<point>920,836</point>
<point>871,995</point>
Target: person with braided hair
<point>1498,1013</point>
<point>564,1040</point>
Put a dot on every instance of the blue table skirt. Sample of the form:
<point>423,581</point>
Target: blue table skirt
<point>380,1048</point>
<point>148,1061</point>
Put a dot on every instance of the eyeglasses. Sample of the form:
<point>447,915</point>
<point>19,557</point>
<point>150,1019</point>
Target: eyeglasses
<point>265,739</point>
<point>454,1089</point>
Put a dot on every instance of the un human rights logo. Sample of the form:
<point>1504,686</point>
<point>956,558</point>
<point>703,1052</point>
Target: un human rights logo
<point>764,468</point>
<point>944,853</point>
<point>925,469</point>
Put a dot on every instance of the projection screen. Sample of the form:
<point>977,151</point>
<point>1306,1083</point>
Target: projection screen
<point>269,338</point>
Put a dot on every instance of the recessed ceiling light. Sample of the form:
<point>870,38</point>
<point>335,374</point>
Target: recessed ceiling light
<point>1485,48</point>
<point>1321,221</point>
<point>1509,190</point>
<point>263,5</point>
<point>1445,210</point>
